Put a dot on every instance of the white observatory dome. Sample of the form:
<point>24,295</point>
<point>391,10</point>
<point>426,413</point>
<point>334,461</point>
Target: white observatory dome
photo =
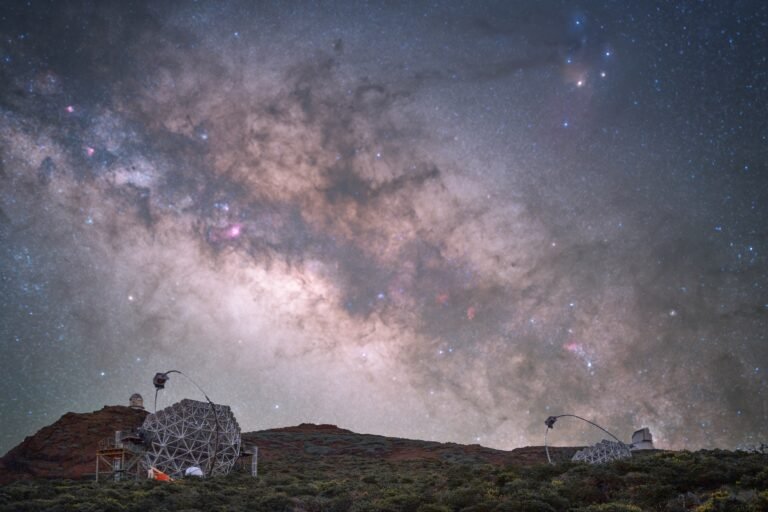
<point>136,401</point>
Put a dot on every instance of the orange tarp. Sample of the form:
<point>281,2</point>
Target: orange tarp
<point>156,474</point>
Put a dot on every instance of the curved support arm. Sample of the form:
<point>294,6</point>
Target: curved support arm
<point>550,423</point>
<point>159,381</point>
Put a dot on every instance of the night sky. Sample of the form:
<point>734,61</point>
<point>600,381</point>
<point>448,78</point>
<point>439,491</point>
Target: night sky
<point>443,221</point>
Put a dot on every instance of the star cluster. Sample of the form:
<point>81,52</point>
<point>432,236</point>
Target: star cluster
<point>443,221</point>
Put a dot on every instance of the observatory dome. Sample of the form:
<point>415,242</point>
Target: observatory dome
<point>136,401</point>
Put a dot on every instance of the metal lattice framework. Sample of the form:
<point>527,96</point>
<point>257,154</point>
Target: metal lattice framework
<point>188,434</point>
<point>602,452</point>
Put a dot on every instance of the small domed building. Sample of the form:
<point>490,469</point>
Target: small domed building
<point>136,402</point>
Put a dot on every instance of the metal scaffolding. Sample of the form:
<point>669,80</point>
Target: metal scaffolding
<point>119,457</point>
<point>249,460</point>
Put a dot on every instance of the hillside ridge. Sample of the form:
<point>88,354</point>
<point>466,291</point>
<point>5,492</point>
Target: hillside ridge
<point>67,447</point>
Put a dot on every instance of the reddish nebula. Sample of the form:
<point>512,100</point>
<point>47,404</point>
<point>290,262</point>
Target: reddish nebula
<point>225,234</point>
<point>233,231</point>
<point>573,347</point>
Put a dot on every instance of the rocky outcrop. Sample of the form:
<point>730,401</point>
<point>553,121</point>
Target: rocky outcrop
<point>67,448</point>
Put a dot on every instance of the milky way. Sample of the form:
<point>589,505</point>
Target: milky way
<point>443,222</point>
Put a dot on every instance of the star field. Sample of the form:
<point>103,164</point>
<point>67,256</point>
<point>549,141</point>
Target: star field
<point>443,221</point>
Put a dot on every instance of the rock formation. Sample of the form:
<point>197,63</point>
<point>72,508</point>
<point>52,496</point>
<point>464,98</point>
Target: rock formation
<point>67,448</point>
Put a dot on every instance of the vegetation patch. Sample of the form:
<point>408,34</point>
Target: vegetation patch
<point>703,481</point>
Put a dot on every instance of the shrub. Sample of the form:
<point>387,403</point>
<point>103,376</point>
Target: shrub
<point>611,507</point>
<point>722,501</point>
<point>433,507</point>
<point>524,505</point>
<point>275,502</point>
<point>340,503</point>
<point>759,503</point>
<point>463,497</point>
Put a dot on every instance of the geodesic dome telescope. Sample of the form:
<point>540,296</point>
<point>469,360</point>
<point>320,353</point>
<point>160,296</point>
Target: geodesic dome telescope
<point>191,434</point>
<point>602,452</point>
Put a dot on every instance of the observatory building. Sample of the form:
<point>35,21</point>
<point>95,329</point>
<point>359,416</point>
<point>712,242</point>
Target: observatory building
<point>604,451</point>
<point>136,402</point>
<point>642,440</point>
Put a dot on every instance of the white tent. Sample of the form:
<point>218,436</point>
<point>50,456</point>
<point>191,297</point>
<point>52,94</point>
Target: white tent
<point>193,471</point>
